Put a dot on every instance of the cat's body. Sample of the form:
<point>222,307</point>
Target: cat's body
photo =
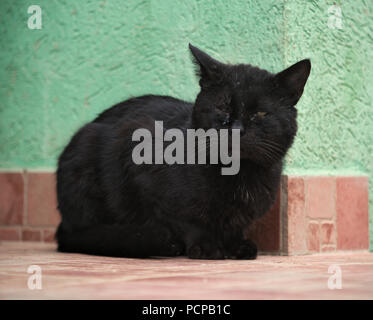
<point>111,206</point>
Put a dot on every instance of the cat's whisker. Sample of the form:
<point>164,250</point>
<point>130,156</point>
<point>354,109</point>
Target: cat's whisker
<point>272,149</point>
<point>273,144</point>
<point>265,153</point>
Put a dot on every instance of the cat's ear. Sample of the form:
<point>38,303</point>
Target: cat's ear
<point>208,69</point>
<point>293,79</point>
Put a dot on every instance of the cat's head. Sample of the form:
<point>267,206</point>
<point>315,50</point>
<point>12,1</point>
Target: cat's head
<point>259,103</point>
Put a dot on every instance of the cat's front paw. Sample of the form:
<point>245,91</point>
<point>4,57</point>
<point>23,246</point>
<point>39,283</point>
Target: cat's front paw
<point>245,250</point>
<point>172,249</point>
<point>205,251</point>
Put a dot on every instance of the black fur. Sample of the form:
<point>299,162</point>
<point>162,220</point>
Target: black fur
<point>110,206</point>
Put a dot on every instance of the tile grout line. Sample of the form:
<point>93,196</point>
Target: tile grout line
<point>25,201</point>
<point>306,217</point>
<point>335,213</point>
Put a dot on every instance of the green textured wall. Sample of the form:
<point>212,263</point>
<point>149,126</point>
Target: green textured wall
<point>91,54</point>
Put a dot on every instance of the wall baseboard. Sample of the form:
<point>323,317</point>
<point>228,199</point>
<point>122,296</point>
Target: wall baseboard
<point>312,214</point>
<point>315,214</point>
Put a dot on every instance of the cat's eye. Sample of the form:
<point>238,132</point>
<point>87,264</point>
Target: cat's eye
<point>261,114</point>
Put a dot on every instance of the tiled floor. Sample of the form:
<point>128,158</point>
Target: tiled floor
<point>75,276</point>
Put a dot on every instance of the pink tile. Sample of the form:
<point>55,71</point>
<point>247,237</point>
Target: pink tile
<point>265,231</point>
<point>320,197</point>
<point>42,200</point>
<point>352,213</point>
<point>328,248</point>
<point>48,235</point>
<point>81,276</point>
<point>296,219</point>
<point>327,233</point>
<point>31,235</point>
<point>313,237</point>
<point>11,234</point>
<point>11,198</point>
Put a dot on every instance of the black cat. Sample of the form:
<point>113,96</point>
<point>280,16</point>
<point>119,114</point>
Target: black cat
<point>111,206</point>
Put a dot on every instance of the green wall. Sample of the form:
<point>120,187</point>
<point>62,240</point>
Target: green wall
<point>91,54</point>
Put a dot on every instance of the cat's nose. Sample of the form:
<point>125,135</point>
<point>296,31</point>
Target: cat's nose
<point>237,124</point>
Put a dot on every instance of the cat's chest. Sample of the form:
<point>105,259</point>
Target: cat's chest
<point>250,197</point>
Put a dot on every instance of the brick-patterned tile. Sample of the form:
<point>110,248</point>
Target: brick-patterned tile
<point>327,233</point>
<point>313,237</point>
<point>328,248</point>
<point>42,200</point>
<point>31,235</point>
<point>265,231</point>
<point>11,198</point>
<point>48,235</point>
<point>320,197</point>
<point>352,213</point>
<point>296,219</point>
<point>10,234</point>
